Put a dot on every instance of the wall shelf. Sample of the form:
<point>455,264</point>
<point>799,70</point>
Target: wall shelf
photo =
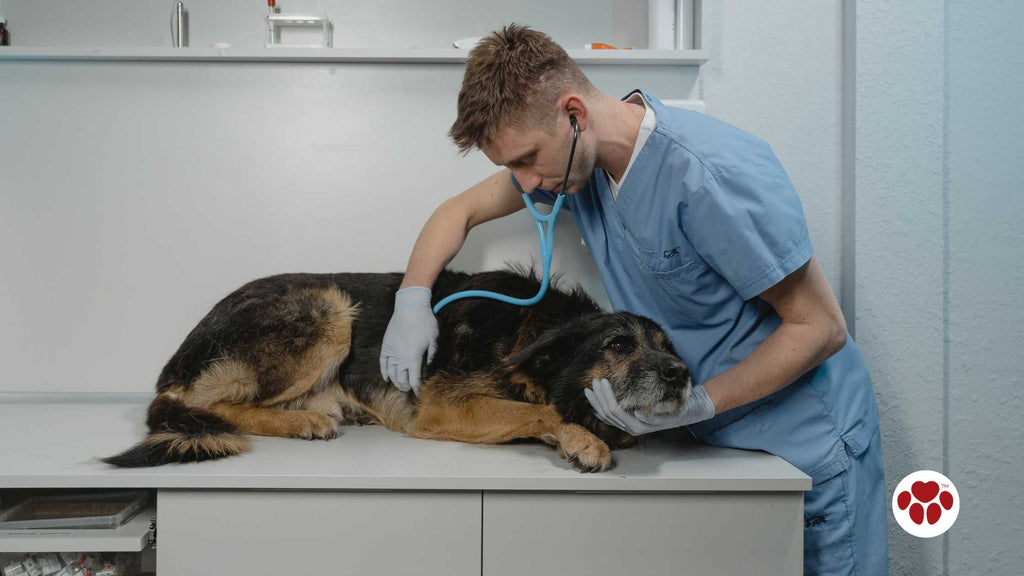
<point>333,55</point>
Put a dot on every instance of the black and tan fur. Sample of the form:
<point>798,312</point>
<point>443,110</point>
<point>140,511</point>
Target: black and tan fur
<point>296,355</point>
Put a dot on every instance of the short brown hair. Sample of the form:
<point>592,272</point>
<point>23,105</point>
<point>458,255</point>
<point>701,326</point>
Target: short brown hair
<point>513,77</point>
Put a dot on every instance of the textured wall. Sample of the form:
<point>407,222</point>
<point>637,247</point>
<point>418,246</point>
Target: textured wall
<point>899,215</point>
<point>939,240</point>
<point>985,264</point>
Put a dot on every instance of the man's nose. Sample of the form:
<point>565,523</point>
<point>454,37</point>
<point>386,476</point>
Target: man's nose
<point>528,179</point>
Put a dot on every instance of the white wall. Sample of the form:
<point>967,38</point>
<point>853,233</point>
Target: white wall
<point>136,195</point>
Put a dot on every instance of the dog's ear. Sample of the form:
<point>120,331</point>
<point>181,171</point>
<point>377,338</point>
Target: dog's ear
<point>549,352</point>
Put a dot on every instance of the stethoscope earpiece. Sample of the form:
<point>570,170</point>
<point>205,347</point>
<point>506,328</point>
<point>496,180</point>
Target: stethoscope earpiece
<point>572,120</point>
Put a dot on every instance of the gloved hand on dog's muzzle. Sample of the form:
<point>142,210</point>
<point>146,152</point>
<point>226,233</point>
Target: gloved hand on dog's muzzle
<point>699,407</point>
<point>411,332</point>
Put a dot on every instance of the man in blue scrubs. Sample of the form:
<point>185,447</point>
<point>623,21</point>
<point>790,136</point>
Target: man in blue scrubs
<point>694,224</point>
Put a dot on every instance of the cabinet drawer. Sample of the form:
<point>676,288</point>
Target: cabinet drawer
<point>641,533</point>
<point>281,532</point>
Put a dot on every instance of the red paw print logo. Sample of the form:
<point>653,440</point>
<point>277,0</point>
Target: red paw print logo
<point>925,504</point>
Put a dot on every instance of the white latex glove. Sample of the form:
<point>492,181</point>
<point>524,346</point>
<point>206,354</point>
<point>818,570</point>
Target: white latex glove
<point>699,407</point>
<point>411,332</point>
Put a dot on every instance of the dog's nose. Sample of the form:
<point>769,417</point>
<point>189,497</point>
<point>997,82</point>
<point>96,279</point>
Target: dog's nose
<point>674,372</point>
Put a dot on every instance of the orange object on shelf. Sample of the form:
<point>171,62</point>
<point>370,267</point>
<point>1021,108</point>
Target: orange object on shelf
<point>603,46</point>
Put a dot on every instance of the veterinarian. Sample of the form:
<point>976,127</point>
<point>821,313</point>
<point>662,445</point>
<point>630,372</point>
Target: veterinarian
<point>696,225</point>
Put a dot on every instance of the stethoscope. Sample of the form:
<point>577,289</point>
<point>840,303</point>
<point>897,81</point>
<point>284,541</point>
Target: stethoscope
<point>547,240</point>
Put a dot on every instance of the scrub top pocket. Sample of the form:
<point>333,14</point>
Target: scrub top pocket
<point>685,287</point>
<point>669,254</point>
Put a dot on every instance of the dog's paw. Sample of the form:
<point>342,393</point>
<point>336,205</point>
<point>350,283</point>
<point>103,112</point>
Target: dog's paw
<point>352,416</point>
<point>314,426</point>
<point>584,450</point>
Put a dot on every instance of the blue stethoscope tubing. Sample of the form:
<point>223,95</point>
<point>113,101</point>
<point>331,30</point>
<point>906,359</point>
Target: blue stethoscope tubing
<point>547,241</point>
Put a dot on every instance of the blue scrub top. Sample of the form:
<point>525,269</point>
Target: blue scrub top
<point>705,220</point>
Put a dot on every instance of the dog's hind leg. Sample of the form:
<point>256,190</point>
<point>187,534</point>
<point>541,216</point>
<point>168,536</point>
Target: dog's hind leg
<point>228,389</point>
<point>281,392</point>
<point>315,369</point>
<point>251,419</point>
<point>489,420</point>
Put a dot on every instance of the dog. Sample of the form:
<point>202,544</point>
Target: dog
<point>297,356</point>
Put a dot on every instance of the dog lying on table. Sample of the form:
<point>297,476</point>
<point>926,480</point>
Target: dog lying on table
<point>297,356</point>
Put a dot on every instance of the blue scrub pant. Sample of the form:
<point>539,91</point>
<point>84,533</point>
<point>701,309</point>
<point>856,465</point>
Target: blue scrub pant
<point>845,519</point>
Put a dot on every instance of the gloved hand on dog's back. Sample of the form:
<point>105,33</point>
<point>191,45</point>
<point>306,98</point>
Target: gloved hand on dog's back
<point>411,332</point>
<point>699,407</point>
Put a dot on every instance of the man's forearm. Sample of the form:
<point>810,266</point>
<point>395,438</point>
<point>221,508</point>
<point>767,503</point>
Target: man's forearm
<point>445,232</point>
<point>791,351</point>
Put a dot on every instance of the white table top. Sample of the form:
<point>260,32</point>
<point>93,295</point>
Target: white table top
<point>57,445</point>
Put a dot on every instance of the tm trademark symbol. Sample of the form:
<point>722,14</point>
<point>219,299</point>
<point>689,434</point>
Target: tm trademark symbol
<point>945,485</point>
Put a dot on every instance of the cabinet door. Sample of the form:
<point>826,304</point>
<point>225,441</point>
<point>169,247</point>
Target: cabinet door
<point>658,534</point>
<point>282,533</point>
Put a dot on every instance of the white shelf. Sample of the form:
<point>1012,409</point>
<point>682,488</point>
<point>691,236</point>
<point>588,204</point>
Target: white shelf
<point>131,537</point>
<point>334,55</point>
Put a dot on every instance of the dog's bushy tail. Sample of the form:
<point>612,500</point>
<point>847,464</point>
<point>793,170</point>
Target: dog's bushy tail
<point>179,433</point>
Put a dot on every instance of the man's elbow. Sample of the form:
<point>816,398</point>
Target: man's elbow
<point>836,335</point>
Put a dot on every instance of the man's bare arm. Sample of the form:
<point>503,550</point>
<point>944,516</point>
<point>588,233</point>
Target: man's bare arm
<point>445,232</point>
<point>812,330</point>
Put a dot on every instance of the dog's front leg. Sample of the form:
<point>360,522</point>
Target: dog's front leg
<point>489,420</point>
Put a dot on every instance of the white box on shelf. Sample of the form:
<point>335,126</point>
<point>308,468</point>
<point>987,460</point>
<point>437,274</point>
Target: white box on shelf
<point>277,24</point>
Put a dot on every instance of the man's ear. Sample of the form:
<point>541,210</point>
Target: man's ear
<point>574,104</point>
<point>545,355</point>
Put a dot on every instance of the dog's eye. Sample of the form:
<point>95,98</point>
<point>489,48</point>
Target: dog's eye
<point>621,344</point>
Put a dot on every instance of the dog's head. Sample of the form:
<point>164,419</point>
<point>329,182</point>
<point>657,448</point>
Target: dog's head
<point>632,352</point>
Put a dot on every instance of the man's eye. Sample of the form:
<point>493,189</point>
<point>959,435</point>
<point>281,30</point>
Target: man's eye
<point>523,162</point>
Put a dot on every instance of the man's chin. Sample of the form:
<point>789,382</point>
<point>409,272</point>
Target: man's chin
<point>574,188</point>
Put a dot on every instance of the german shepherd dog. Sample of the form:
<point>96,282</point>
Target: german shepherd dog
<point>297,356</point>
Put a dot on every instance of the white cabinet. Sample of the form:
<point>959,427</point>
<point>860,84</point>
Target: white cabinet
<point>282,532</point>
<point>643,533</point>
<point>496,534</point>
